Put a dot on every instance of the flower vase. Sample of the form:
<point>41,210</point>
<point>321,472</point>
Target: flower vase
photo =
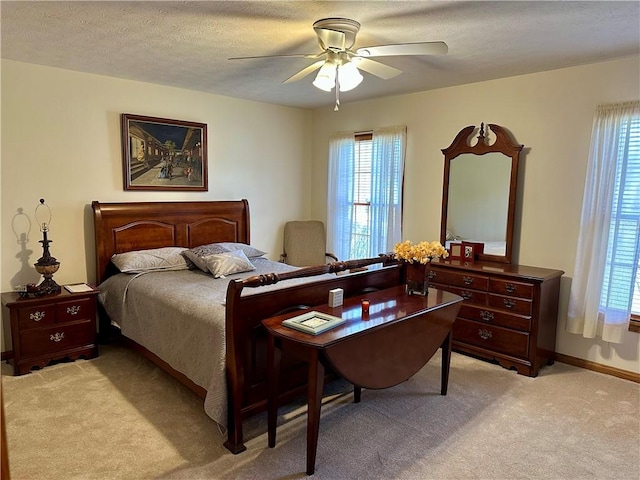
<point>417,280</point>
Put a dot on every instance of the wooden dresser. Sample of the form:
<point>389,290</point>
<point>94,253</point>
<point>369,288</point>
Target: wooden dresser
<point>51,327</point>
<point>509,313</point>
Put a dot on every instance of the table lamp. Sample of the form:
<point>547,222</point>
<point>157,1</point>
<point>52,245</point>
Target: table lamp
<point>46,265</point>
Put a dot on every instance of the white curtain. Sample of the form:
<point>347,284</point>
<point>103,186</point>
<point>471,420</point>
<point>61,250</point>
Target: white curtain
<point>340,194</point>
<point>387,169</point>
<point>607,253</point>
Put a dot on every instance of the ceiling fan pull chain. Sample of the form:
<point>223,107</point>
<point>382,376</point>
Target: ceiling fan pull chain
<point>337,106</point>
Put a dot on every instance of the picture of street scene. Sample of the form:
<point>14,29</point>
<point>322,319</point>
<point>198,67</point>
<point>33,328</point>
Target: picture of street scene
<point>165,155</point>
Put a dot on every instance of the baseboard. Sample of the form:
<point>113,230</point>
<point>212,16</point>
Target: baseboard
<point>597,367</point>
<point>8,355</point>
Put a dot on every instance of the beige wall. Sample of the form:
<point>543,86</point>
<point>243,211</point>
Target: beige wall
<point>60,134</point>
<point>551,114</point>
<point>61,141</point>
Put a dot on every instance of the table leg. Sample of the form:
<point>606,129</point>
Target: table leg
<point>273,372</point>
<point>357,393</point>
<point>314,401</point>
<point>446,362</point>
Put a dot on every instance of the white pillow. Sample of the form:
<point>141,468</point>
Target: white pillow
<point>227,263</point>
<point>165,258</point>
<point>197,255</point>
<point>249,251</point>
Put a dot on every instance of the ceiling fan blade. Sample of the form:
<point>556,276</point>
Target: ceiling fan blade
<point>304,72</point>
<point>421,48</point>
<point>376,68</point>
<point>293,55</point>
<point>328,38</point>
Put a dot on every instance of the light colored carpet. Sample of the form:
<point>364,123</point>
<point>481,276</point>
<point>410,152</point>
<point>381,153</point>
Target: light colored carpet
<point>119,417</point>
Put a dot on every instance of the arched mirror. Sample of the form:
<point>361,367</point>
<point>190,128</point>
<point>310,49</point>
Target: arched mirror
<point>479,192</point>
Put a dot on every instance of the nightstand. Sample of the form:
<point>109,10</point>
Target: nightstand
<point>51,327</point>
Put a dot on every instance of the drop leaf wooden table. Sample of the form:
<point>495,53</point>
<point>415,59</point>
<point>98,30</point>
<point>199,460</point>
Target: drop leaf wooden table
<point>388,346</point>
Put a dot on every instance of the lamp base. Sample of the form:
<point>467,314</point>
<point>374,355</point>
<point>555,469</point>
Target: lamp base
<point>48,286</point>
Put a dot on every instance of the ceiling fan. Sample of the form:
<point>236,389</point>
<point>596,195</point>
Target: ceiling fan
<point>339,65</point>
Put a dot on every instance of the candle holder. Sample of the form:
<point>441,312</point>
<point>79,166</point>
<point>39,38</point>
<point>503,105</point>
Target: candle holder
<point>46,264</point>
<point>365,308</point>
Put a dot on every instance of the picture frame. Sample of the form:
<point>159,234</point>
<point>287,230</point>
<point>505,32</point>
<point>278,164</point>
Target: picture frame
<point>471,250</point>
<point>455,251</point>
<point>313,322</point>
<point>163,155</point>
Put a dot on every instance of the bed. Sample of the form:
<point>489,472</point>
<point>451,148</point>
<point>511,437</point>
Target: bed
<point>227,364</point>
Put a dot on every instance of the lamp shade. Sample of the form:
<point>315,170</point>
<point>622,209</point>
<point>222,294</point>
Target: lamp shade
<point>348,77</point>
<point>326,78</point>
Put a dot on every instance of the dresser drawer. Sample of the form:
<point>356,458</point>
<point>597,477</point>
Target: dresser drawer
<point>57,338</point>
<point>72,311</point>
<point>492,338</point>
<point>459,279</point>
<point>37,316</point>
<point>511,304</point>
<point>495,317</point>
<point>511,288</point>
<point>470,296</point>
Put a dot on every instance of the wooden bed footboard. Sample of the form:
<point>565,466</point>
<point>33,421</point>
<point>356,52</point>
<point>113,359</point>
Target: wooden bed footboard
<point>246,357</point>
<point>127,226</point>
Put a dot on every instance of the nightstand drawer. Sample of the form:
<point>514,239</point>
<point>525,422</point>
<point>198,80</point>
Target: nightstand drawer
<point>37,316</point>
<point>57,338</point>
<point>80,309</point>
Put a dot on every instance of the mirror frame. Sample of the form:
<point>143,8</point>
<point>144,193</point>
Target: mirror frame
<point>503,144</point>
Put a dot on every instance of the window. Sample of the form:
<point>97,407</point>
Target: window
<point>361,235</point>
<point>628,186</point>
<point>605,293</point>
<point>364,204</point>
<point>621,283</point>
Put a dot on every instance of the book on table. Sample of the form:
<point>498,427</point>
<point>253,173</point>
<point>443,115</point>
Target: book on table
<point>313,322</point>
<point>78,288</point>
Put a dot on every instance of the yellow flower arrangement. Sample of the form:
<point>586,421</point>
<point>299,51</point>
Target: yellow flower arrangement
<point>422,252</point>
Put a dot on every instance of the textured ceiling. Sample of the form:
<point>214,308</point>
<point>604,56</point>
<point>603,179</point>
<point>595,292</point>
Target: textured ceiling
<point>187,44</point>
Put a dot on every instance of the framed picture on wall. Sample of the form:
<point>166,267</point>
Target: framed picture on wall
<point>163,154</point>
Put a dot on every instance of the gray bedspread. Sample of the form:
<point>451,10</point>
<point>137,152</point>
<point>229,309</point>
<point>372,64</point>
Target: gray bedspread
<point>180,316</point>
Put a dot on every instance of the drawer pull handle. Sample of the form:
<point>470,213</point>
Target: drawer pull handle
<point>73,309</point>
<point>432,274</point>
<point>56,337</point>
<point>486,315</point>
<point>484,334</point>
<point>466,294</point>
<point>509,303</point>
<point>36,316</point>
<point>467,280</point>
<point>510,287</point>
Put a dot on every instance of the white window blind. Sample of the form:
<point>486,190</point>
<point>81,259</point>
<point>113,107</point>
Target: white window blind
<point>360,239</point>
<point>621,268</point>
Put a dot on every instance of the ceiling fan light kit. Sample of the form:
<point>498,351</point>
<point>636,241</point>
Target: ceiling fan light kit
<point>336,36</point>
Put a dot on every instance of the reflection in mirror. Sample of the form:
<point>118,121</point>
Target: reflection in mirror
<point>479,200</point>
<point>479,192</point>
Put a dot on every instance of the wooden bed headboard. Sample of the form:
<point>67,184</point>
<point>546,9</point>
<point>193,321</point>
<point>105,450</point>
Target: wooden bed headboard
<point>124,227</point>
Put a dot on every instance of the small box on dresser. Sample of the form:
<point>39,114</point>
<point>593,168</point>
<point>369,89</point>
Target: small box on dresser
<point>509,313</point>
<point>48,328</point>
